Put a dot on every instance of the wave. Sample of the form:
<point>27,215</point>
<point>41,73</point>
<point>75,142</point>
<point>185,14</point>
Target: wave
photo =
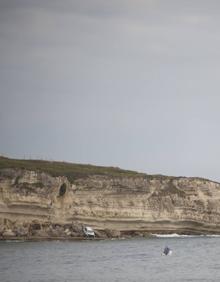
<point>175,235</point>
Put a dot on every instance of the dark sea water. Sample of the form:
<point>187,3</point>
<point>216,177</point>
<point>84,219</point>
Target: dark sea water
<point>193,259</point>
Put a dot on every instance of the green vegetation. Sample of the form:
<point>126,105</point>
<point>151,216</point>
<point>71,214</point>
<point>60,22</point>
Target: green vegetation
<point>70,170</point>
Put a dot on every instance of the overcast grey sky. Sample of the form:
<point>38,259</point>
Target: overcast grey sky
<point>134,84</point>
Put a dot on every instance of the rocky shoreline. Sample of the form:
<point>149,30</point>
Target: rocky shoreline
<point>38,232</point>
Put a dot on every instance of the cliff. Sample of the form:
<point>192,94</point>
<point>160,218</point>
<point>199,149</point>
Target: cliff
<point>53,199</point>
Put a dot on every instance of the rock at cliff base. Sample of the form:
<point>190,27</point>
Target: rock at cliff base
<point>40,233</point>
<point>112,233</point>
<point>21,231</point>
<point>100,234</point>
<point>67,232</point>
<point>8,233</point>
<point>2,228</point>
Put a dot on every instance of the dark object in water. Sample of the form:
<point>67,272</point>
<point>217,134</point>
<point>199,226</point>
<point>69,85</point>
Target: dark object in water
<point>167,251</point>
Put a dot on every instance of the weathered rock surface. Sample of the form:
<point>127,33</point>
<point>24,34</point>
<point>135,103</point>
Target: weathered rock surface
<point>8,233</point>
<point>36,204</point>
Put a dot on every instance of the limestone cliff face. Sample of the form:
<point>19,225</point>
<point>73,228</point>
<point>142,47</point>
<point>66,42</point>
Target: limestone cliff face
<point>138,203</point>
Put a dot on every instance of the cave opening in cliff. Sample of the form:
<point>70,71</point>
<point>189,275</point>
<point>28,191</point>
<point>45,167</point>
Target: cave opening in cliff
<point>62,189</point>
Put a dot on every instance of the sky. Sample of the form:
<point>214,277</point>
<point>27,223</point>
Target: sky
<point>131,84</point>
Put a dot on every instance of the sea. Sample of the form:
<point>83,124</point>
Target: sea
<point>194,258</point>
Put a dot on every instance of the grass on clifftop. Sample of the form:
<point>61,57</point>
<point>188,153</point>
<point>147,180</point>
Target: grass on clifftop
<point>70,170</point>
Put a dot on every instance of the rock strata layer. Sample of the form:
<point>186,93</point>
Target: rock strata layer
<point>36,204</point>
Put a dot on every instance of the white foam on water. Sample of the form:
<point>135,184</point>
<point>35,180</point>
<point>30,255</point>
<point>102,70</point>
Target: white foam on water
<point>175,235</point>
